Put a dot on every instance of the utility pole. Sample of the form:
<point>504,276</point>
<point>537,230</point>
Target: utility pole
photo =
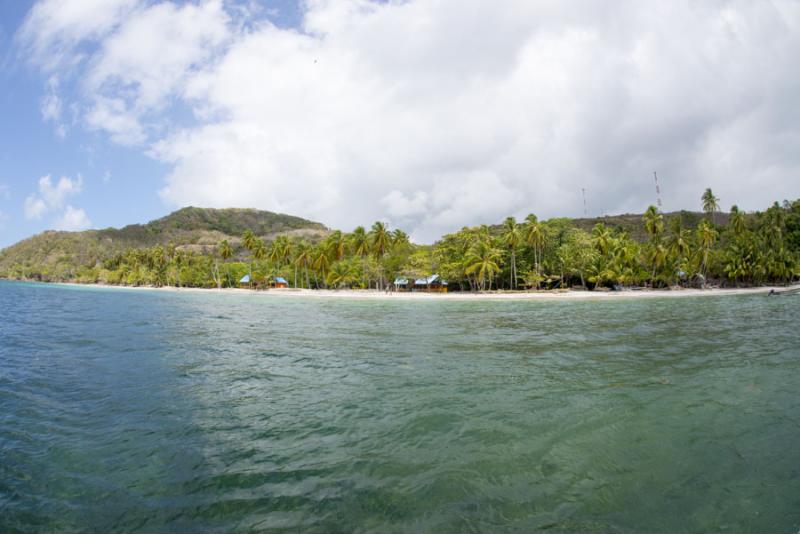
<point>658,190</point>
<point>585,211</point>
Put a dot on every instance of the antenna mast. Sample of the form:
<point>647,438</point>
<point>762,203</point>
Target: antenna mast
<point>585,211</point>
<point>658,190</point>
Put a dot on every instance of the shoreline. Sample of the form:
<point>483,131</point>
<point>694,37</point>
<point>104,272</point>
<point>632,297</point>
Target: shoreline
<point>371,294</point>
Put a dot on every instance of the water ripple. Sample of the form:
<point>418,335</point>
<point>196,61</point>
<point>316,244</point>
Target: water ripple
<point>130,411</point>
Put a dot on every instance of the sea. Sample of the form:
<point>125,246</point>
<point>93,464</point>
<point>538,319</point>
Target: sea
<point>154,411</point>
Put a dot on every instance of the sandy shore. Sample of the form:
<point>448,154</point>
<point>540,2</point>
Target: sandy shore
<point>501,295</point>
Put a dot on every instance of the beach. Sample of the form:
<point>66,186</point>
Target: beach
<point>371,294</point>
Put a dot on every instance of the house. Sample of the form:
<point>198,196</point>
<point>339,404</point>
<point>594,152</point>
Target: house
<point>245,281</point>
<point>401,284</point>
<point>431,284</point>
<point>280,283</point>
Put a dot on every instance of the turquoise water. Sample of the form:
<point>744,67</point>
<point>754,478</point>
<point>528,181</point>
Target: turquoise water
<point>147,411</point>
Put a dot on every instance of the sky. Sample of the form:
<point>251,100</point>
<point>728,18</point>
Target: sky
<point>426,114</point>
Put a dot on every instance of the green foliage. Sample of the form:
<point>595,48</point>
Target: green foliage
<point>194,247</point>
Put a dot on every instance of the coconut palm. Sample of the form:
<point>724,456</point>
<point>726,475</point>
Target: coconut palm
<point>736,221</point>
<point>303,259</point>
<point>534,236</point>
<point>706,237</point>
<point>249,241</point>
<point>343,274</point>
<point>380,240</point>
<point>653,223</point>
<point>260,253</point>
<point>512,237</point>
<point>482,262</point>
<point>337,245</point>
<point>321,261</point>
<point>359,244</point>
<point>658,258</point>
<point>225,252</point>
<point>602,238</point>
<point>399,238</point>
<point>710,203</point>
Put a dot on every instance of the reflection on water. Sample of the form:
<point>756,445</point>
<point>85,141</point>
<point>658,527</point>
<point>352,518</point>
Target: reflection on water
<point>142,410</point>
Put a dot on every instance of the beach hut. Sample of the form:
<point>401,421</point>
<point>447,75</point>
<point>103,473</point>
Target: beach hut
<point>281,282</point>
<point>430,284</point>
<point>245,281</point>
<point>400,284</point>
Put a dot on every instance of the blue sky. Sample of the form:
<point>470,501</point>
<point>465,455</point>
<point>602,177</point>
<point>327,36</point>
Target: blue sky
<point>119,184</point>
<point>428,115</point>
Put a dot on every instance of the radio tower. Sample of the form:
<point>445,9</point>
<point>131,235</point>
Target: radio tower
<point>658,190</point>
<point>585,211</point>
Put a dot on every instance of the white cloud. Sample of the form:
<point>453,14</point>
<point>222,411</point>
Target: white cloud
<point>34,207</point>
<point>54,29</point>
<point>114,117</point>
<point>50,107</point>
<point>50,196</point>
<point>445,113</point>
<point>73,220</point>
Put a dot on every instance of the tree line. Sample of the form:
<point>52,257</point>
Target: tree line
<point>749,249</point>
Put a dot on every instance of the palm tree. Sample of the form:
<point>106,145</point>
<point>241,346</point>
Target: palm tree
<point>706,237</point>
<point>710,203</point>
<point>380,240</point>
<point>359,244</point>
<point>736,221</point>
<point>249,241</point>
<point>602,238</point>
<point>337,244</point>
<point>321,262</point>
<point>259,254</point>
<point>653,223</point>
<point>512,238</point>
<point>303,258</point>
<point>225,252</point>
<point>534,235</point>
<point>400,238</point>
<point>481,260</point>
<point>343,274</point>
<point>658,257</point>
<point>180,259</point>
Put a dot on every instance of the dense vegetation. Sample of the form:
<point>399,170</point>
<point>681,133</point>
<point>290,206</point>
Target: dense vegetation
<point>654,249</point>
<point>63,256</point>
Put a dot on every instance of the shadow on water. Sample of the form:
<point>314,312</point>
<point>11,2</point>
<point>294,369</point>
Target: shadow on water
<point>144,411</point>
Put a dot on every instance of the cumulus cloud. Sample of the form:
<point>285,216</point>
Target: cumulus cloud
<point>73,220</point>
<point>442,113</point>
<point>50,196</point>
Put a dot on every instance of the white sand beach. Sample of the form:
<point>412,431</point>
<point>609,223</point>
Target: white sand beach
<point>363,294</point>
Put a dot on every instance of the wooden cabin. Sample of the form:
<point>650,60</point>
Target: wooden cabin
<point>245,281</point>
<point>430,284</point>
<point>279,282</point>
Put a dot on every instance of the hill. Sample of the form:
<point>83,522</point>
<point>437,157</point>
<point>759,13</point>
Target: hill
<point>196,229</point>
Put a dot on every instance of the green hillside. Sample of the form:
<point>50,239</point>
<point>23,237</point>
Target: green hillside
<point>51,254</point>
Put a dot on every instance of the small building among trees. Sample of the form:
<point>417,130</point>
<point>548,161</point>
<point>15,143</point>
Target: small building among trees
<point>430,284</point>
